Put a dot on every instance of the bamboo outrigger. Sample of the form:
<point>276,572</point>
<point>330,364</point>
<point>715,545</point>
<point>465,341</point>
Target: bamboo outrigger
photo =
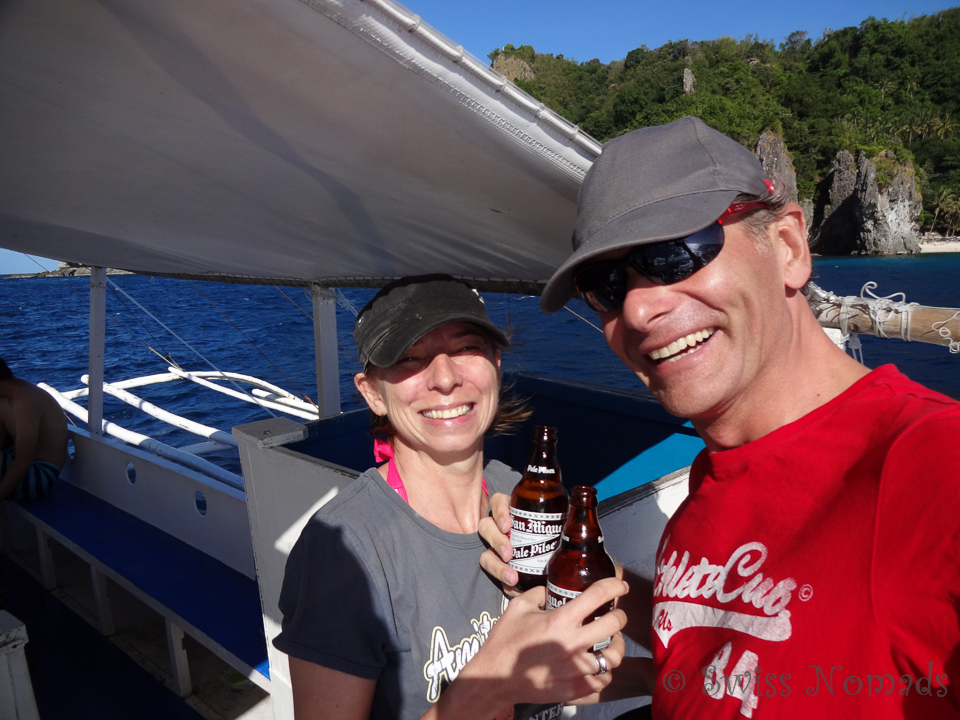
<point>885,317</point>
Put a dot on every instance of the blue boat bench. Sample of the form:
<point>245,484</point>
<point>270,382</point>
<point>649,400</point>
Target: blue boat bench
<point>195,593</point>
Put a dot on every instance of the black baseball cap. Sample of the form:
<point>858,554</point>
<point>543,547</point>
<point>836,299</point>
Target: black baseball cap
<point>407,309</point>
<point>657,183</point>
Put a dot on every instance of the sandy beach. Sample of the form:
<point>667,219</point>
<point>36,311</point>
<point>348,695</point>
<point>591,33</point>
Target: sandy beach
<point>941,246</point>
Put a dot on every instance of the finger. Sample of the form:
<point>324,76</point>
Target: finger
<point>491,535</point>
<point>615,651</point>
<point>531,600</point>
<point>596,596</point>
<point>495,567</point>
<point>589,664</point>
<point>596,631</point>
<point>500,511</point>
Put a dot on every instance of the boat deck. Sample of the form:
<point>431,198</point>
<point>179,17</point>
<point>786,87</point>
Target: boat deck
<point>79,673</point>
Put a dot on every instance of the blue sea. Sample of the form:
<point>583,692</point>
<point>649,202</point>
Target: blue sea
<point>267,332</point>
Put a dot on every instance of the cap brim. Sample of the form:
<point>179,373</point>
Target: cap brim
<point>392,347</point>
<point>667,219</point>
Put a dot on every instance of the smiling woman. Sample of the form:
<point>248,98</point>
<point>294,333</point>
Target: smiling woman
<point>384,603</point>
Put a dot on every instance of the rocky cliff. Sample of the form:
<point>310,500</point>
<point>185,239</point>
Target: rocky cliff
<point>887,212</point>
<point>777,163</point>
<point>513,67</point>
<point>867,207</point>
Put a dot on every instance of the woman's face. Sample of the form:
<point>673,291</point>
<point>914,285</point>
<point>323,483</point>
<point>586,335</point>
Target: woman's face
<point>442,394</point>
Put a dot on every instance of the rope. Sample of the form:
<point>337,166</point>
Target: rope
<point>583,318</point>
<point>168,359</point>
<point>884,308</point>
<point>345,301</point>
<point>502,285</point>
<point>255,347</point>
<point>945,333</point>
<point>348,305</point>
<point>198,353</point>
<point>851,339</point>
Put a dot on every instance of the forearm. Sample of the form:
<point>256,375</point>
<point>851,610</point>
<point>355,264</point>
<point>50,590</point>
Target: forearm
<point>468,698</point>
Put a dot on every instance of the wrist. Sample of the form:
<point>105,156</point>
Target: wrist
<point>482,689</point>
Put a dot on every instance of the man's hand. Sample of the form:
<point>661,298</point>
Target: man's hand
<point>495,531</point>
<point>539,656</point>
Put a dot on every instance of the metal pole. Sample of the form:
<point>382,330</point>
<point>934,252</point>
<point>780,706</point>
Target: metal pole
<point>98,312</point>
<point>325,348</point>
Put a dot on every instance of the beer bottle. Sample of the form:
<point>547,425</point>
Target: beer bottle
<point>581,559</point>
<point>538,507</point>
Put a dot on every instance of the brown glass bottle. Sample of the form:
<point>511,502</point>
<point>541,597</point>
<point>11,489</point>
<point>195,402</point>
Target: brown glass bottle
<point>581,559</point>
<point>538,508</point>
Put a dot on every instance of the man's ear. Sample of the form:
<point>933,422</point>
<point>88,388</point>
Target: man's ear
<point>371,393</point>
<point>792,233</point>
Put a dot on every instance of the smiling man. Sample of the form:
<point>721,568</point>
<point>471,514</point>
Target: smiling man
<point>813,569</point>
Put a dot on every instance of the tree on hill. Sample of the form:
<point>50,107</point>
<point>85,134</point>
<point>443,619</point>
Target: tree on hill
<point>883,85</point>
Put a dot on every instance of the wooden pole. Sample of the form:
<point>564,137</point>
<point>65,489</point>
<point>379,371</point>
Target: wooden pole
<point>885,318</point>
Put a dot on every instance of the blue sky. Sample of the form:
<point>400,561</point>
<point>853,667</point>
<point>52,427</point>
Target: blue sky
<point>609,29</point>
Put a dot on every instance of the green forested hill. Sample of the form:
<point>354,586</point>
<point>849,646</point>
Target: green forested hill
<point>882,85</point>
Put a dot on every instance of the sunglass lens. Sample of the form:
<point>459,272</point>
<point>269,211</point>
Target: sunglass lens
<point>665,262</point>
<point>601,286</point>
<point>705,253</point>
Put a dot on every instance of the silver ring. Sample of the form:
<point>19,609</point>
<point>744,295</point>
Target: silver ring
<point>601,662</point>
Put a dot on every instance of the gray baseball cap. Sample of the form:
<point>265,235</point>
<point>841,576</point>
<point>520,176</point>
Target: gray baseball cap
<point>407,309</point>
<point>656,183</point>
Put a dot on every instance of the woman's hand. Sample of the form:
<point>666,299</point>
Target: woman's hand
<point>539,656</point>
<point>495,530</point>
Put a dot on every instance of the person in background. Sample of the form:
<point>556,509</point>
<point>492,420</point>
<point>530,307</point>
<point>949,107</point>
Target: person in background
<point>385,611</point>
<point>814,568</point>
<point>33,438</point>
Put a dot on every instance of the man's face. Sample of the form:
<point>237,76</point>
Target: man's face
<point>733,317</point>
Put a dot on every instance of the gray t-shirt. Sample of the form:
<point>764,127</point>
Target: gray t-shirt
<point>374,590</point>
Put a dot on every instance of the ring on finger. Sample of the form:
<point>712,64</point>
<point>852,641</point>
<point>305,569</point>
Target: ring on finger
<point>601,662</point>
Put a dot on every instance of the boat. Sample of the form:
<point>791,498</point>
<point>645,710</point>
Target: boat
<point>300,143</point>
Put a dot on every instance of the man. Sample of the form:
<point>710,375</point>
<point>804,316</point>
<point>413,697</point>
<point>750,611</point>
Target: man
<point>33,437</point>
<point>813,569</point>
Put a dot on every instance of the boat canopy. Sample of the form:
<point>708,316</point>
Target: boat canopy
<point>329,142</point>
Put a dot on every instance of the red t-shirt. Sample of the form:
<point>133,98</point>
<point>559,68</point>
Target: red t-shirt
<point>815,572</point>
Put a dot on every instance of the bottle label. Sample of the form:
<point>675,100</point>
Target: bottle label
<point>557,596</point>
<point>541,470</point>
<point>534,537</point>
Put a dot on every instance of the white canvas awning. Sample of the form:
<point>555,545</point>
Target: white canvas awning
<point>326,141</point>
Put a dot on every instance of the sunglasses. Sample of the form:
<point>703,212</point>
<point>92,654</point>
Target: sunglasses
<point>603,285</point>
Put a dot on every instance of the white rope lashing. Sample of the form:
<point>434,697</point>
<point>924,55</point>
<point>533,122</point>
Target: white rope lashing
<point>885,308</point>
<point>944,332</point>
<point>851,339</point>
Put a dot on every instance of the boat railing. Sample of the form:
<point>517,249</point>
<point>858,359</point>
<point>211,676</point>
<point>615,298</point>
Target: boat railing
<point>263,393</point>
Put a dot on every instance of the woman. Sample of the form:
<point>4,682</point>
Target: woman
<point>383,600</point>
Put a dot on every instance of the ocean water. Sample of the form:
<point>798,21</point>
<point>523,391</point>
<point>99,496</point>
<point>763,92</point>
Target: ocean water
<point>266,332</point>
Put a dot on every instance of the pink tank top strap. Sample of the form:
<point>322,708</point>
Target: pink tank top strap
<point>382,450</point>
